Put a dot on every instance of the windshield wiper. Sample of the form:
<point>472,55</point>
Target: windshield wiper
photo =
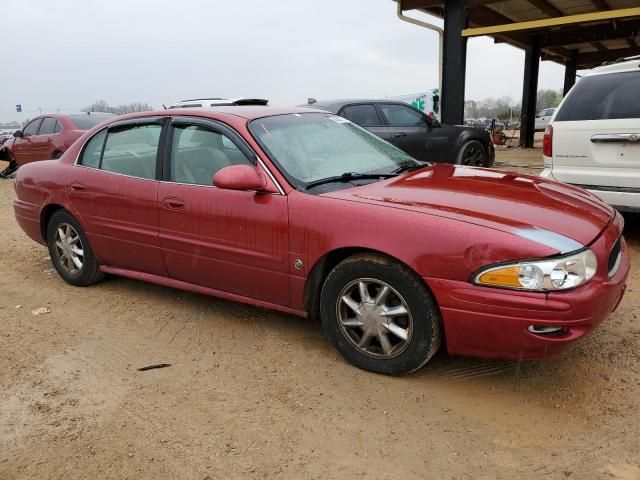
<point>347,177</point>
<point>407,167</point>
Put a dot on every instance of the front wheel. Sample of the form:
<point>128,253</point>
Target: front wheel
<point>473,153</point>
<point>70,251</point>
<point>379,315</point>
<point>11,168</point>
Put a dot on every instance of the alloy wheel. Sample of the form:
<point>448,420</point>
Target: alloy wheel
<point>374,318</point>
<point>69,248</point>
<point>473,156</point>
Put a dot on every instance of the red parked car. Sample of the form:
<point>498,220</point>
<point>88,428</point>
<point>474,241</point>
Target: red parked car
<point>45,137</point>
<point>305,212</point>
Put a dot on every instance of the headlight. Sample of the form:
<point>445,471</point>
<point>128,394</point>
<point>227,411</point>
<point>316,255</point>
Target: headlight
<point>560,273</point>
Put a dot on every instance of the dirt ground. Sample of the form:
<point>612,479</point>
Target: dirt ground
<point>253,394</point>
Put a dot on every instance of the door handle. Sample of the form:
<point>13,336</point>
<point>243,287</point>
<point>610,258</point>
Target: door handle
<point>399,134</point>
<point>616,138</point>
<point>78,186</point>
<point>173,203</point>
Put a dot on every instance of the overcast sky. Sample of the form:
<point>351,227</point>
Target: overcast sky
<point>66,54</point>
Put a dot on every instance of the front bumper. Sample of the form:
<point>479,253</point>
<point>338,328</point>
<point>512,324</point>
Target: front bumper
<point>493,323</point>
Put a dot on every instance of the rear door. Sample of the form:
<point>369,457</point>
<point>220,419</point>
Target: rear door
<point>43,142</point>
<point>114,188</point>
<point>596,132</point>
<point>366,115</point>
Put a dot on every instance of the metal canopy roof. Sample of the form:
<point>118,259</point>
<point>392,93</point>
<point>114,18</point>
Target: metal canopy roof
<point>591,31</point>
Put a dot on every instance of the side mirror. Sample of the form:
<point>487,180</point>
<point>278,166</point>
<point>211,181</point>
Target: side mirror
<point>18,134</point>
<point>240,177</point>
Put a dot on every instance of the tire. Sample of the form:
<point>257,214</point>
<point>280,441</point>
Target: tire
<point>472,153</point>
<point>412,339</point>
<point>61,249</point>
<point>56,155</point>
<point>11,168</point>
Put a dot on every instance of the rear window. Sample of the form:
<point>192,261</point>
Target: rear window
<point>603,97</point>
<point>85,122</point>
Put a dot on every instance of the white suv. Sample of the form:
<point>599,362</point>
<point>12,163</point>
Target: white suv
<point>218,102</point>
<point>593,140</point>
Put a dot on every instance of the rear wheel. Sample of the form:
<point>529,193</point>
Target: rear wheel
<point>70,251</point>
<point>379,315</point>
<point>473,154</point>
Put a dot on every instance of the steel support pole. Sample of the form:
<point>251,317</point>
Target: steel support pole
<point>570,74</point>
<point>454,62</point>
<point>530,93</point>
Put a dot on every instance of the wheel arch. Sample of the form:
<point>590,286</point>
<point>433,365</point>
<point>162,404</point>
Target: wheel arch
<point>45,215</point>
<point>326,263</point>
<point>5,155</point>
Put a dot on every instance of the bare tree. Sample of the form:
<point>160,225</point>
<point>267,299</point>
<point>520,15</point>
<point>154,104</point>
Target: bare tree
<point>102,106</point>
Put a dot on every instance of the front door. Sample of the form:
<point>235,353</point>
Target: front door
<point>233,241</point>
<point>409,129</point>
<point>114,188</point>
<point>23,147</point>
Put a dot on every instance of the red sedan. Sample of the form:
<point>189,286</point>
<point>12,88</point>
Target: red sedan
<point>45,137</point>
<point>307,213</point>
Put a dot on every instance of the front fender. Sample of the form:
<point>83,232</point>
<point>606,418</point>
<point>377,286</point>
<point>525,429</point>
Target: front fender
<point>432,246</point>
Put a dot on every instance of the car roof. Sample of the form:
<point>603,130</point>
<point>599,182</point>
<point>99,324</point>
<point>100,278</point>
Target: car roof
<point>337,104</point>
<point>71,114</point>
<point>249,112</point>
<point>623,65</point>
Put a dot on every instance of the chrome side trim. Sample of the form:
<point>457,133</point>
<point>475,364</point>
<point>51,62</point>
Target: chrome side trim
<point>616,138</point>
<point>97,132</point>
<point>539,330</point>
<point>550,239</point>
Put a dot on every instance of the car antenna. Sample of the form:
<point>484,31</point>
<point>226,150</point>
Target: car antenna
<point>163,106</point>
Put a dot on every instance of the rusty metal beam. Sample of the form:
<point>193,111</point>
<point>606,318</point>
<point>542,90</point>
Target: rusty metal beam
<point>595,33</point>
<point>591,59</point>
<point>547,7</point>
<point>600,4</point>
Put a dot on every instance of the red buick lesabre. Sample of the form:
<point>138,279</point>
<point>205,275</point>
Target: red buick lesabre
<point>304,212</point>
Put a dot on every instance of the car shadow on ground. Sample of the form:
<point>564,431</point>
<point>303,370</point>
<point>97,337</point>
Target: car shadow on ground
<point>308,334</point>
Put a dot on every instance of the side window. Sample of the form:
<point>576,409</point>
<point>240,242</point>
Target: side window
<point>47,126</point>
<point>58,128</point>
<point>198,153</point>
<point>93,150</point>
<point>132,150</point>
<point>32,128</point>
<point>603,97</point>
<point>401,116</point>
<point>363,115</point>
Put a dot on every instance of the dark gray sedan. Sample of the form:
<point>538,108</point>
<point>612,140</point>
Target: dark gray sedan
<point>421,136</point>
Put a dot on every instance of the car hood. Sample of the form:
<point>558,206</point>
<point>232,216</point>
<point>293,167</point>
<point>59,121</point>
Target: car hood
<point>560,216</point>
